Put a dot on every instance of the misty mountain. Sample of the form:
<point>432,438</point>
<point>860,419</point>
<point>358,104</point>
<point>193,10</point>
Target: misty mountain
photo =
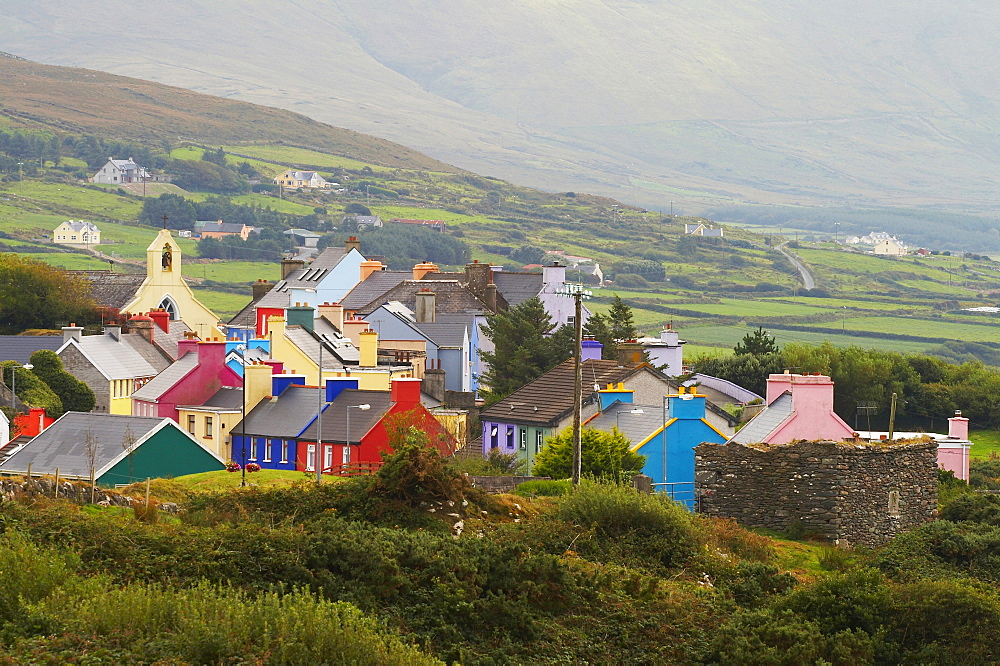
<point>703,103</point>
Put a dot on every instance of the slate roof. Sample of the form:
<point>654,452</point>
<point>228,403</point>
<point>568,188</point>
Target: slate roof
<point>549,398</point>
<point>341,346</point>
<point>335,423</point>
<point>759,427</point>
<point>226,397</point>
<point>450,296</point>
<point>637,427</point>
<point>303,278</point>
<point>309,345</point>
<point>161,383</point>
<point>723,386</point>
<point>126,358</point>
<point>304,233</point>
<point>81,225</point>
<point>373,288</point>
<point>167,342</point>
<point>444,334</point>
<point>283,417</point>
<point>20,347</point>
<point>63,444</point>
<point>516,288</point>
<point>112,289</point>
<point>245,317</point>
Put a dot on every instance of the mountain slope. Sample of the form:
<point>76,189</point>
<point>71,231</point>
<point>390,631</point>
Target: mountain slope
<point>699,102</point>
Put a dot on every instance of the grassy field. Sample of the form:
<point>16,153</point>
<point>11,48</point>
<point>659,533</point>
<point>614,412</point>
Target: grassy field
<point>232,272</point>
<point>985,444</point>
<point>223,303</point>
<point>72,261</point>
<point>177,489</point>
<point>729,336</point>
<point>296,156</point>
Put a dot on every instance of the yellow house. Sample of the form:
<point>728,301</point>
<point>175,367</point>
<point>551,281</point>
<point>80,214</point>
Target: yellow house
<point>305,179</point>
<point>165,289</point>
<point>77,232</point>
<point>890,247</point>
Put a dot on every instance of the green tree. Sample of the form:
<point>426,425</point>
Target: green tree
<point>528,254</point>
<point>526,345</point>
<point>36,295</point>
<point>757,343</point>
<point>621,321</point>
<point>597,328</point>
<point>74,394</point>
<point>217,156</point>
<point>31,390</point>
<point>604,454</point>
<point>180,212</point>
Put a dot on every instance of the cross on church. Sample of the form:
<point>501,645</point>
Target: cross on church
<point>164,220</point>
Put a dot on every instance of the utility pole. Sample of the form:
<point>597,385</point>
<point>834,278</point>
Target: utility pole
<point>20,176</point>
<point>892,416</point>
<point>319,419</point>
<point>578,293</point>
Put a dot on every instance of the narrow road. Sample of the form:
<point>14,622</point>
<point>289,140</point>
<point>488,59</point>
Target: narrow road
<point>807,279</point>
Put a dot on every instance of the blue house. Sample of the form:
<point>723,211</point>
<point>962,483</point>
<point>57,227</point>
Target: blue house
<point>666,434</point>
<point>242,350</point>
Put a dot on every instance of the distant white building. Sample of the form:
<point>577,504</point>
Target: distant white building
<point>889,247</point>
<point>303,179</point>
<point>701,230</point>
<point>116,172</point>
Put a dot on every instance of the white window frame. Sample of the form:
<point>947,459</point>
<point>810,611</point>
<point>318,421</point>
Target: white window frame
<point>311,458</point>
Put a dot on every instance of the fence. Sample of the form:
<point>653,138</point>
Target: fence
<point>361,468</point>
<point>682,492</point>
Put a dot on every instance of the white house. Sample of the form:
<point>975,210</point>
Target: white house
<point>302,179</point>
<point>77,232</point>
<point>116,172</point>
<point>890,247</point>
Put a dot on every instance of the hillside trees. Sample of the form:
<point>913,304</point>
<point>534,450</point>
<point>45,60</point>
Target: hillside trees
<point>404,245</point>
<point>756,343</point>
<point>74,394</point>
<point>205,176</point>
<point>36,295</point>
<point>526,346</point>
<point>604,455</point>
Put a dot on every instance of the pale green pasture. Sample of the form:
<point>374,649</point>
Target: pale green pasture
<point>233,272</point>
<point>930,286</point>
<point>70,260</point>
<point>692,352</point>
<point>106,204</point>
<point>420,213</point>
<point>731,335</point>
<point>853,303</point>
<point>294,156</point>
<point>274,203</point>
<point>131,241</point>
<point>924,327</point>
<point>222,303</point>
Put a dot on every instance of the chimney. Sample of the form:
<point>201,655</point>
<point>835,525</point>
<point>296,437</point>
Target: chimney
<point>143,325</point>
<point>554,274</point>
<point>629,353</point>
<point>405,391</point>
<point>115,332</point>
<point>186,345</point>
<point>958,426</point>
<point>260,287</point>
<point>434,383</point>
<point>592,349</point>
<point>256,384</point>
<point>477,276</point>
<point>368,349</point>
<point>490,297</point>
<point>669,336</point>
<point>777,384</point>
<point>72,332</point>
<point>425,306</point>
<point>161,318</point>
<point>422,269</point>
<point>336,385</point>
<point>212,353</point>
<point>288,266</point>
<point>368,267</point>
<point>300,314</point>
<point>352,329</point>
<point>615,393</point>
<point>352,243</point>
<point>333,313</point>
<point>277,367</point>
<point>276,328</point>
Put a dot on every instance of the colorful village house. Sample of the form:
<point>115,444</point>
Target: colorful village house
<point>369,414</point>
<point>666,434</point>
<point>279,408</point>
<point>122,450</point>
<point>165,289</point>
<point>522,421</point>
<point>953,448</point>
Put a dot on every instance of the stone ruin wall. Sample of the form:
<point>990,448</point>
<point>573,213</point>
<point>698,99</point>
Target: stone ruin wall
<point>851,494</point>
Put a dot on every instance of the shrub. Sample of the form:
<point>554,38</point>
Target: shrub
<point>973,508</point>
<point>858,599</point>
<point>30,573</point>
<point>543,488</point>
<point>631,281</point>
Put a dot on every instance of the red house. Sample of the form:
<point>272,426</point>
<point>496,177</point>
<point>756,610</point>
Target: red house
<point>354,428</point>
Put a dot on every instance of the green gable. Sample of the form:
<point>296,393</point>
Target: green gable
<point>168,452</point>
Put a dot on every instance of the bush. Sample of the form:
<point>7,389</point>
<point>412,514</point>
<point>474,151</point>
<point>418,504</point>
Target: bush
<point>973,508</point>
<point>543,488</point>
<point>631,281</point>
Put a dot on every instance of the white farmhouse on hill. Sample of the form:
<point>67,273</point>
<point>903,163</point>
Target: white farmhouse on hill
<point>116,172</point>
<point>77,232</point>
<point>890,247</point>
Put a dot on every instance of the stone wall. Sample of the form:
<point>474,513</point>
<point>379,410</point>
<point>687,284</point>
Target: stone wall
<point>848,493</point>
<point>14,488</point>
<point>501,484</point>
<point>76,364</point>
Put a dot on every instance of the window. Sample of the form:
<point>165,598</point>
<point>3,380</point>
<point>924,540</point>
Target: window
<point>253,449</point>
<point>510,437</point>
<point>327,456</point>
<point>523,438</point>
<point>311,458</point>
<point>493,437</point>
<point>208,426</point>
<point>346,455</point>
<point>284,450</point>
<point>267,451</point>
<point>539,440</point>
<point>191,426</point>
<point>570,320</point>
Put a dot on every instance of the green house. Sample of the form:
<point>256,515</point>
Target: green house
<point>121,449</point>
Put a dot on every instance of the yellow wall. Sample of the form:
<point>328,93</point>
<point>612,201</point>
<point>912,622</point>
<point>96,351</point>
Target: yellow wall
<point>161,282</point>
<point>283,350</point>
<point>222,422</point>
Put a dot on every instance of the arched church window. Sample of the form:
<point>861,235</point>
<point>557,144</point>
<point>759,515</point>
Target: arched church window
<point>168,304</point>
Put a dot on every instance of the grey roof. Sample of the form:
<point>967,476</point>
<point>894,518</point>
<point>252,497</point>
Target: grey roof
<point>444,334</point>
<point>335,423</point>
<point>161,383</point>
<point>126,358</point>
<point>759,427</point>
<point>341,346</point>
<point>167,342</point>
<point>303,278</point>
<point>285,416</point>
<point>450,296</point>
<point>227,397</point>
<point>245,317</point>
<point>637,427</point>
<point>725,387</point>
<point>305,233</point>
<point>367,219</point>
<point>112,289</point>
<point>373,287</point>
<point>309,345</point>
<point>64,443</point>
<point>516,288</point>
<point>20,347</point>
<point>224,227</point>
<point>80,225</point>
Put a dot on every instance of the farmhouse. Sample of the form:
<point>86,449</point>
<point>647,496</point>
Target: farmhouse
<point>117,172</point>
<point>77,232</point>
<point>302,179</point>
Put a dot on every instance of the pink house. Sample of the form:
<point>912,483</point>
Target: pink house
<point>198,373</point>
<point>799,407</point>
<point>953,450</point>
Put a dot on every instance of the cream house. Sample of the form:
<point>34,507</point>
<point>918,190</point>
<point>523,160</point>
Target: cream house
<point>890,247</point>
<point>77,232</point>
<point>303,179</point>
